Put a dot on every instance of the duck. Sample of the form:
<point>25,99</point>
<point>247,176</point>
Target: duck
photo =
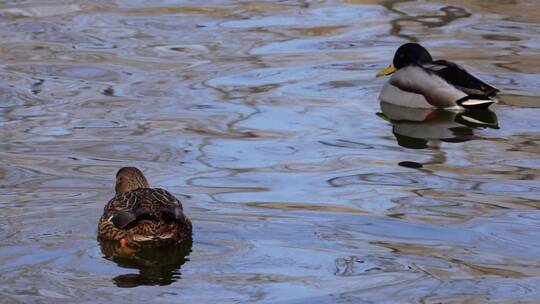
<point>418,81</point>
<point>139,216</point>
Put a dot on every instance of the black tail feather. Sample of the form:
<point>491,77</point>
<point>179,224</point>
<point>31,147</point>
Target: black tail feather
<point>480,102</point>
<point>172,214</point>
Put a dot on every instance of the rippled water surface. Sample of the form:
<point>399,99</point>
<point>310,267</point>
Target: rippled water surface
<point>263,118</point>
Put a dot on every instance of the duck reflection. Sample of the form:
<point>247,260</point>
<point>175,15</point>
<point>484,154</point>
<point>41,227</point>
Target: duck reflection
<point>157,266</point>
<point>414,128</point>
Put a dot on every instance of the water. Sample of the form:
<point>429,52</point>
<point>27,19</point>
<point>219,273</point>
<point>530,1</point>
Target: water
<point>263,119</point>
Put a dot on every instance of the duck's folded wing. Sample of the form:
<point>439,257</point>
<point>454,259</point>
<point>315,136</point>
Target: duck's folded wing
<point>122,219</point>
<point>171,208</point>
<point>461,79</point>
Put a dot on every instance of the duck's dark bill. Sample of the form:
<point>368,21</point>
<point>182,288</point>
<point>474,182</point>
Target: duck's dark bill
<point>389,70</point>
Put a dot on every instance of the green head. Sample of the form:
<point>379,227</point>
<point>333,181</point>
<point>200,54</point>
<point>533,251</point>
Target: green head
<point>407,54</point>
<point>410,53</point>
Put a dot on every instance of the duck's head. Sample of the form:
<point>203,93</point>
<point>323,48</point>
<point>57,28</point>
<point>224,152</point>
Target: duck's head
<point>130,178</point>
<point>407,54</point>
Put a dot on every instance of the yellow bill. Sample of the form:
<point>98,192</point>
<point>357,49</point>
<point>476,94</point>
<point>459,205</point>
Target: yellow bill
<point>389,70</point>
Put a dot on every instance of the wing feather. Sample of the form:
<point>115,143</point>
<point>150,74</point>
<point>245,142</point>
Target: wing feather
<point>154,204</point>
<point>461,79</point>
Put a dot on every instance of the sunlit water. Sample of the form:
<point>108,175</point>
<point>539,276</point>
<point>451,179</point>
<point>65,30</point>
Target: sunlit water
<point>263,119</point>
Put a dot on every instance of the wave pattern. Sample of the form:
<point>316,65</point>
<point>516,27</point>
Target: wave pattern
<point>262,118</point>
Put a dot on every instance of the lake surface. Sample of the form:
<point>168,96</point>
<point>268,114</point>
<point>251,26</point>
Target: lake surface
<point>264,119</point>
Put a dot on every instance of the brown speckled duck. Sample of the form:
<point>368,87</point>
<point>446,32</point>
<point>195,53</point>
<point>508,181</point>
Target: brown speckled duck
<point>140,216</point>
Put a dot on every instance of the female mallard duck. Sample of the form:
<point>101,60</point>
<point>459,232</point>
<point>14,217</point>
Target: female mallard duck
<point>139,215</point>
<point>420,82</point>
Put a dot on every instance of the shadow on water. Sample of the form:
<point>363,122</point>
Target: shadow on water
<point>157,266</point>
<point>415,128</point>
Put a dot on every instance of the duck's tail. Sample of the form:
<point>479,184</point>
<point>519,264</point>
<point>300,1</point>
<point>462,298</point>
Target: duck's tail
<point>475,102</point>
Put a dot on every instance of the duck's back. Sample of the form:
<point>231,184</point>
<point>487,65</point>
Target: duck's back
<point>462,79</point>
<point>144,214</point>
<point>147,202</point>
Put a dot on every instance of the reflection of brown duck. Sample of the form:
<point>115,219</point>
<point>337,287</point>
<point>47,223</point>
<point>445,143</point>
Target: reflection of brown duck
<point>157,266</point>
<point>142,216</point>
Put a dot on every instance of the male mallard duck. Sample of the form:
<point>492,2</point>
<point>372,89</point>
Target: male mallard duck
<point>420,82</point>
<point>139,215</point>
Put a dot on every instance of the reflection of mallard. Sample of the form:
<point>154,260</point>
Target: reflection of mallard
<point>157,266</point>
<point>413,128</point>
<point>420,82</point>
<point>142,216</point>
